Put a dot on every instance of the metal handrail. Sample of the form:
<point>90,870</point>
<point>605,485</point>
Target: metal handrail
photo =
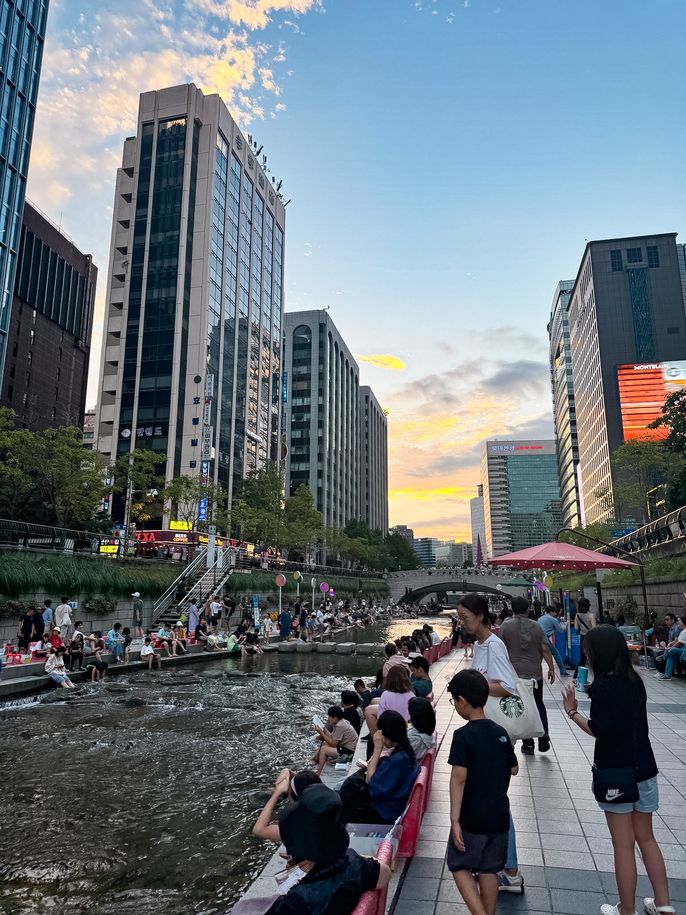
<point>198,559</point>
<point>213,576</point>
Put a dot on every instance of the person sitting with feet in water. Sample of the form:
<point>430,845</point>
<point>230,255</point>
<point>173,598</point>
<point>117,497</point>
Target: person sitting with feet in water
<point>148,654</point>
<point>55,669</point>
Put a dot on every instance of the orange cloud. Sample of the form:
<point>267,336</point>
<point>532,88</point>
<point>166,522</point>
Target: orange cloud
<point>382,361</point>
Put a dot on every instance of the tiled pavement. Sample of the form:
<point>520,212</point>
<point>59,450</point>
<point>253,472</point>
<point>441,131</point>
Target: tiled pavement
<point>563,843</point>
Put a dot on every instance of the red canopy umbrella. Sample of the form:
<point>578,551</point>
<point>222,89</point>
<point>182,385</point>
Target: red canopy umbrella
<point>560,556</point>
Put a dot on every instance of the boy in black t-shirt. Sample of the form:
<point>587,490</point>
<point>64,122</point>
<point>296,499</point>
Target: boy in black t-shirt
<point>482,760</point>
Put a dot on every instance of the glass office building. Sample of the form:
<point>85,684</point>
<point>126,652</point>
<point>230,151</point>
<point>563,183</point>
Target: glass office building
<point>22,31</point>
<point>564,410</point>
<point>521,495</point>
<point>192,339</point>
<point>626,307</point>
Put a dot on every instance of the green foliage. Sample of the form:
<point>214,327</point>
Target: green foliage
<point>99,577</point>
<point>48,477</point>
<point>185,494</point>
<point>257,510</point>
<point>639,466</point>
<point>302,521</point>
<point>673,418</point>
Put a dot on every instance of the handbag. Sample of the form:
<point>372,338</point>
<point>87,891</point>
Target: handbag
<point>518,714</point>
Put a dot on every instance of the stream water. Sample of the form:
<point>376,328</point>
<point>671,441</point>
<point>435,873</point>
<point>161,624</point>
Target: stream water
<point>139,794</point>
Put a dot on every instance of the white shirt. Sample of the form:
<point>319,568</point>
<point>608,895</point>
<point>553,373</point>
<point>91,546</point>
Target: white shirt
<point>146,650</point>
<point>682,637</point>
<point>63,615</point>
<point>491,659</point>
<point>435,638</point>
<point>215,608</point>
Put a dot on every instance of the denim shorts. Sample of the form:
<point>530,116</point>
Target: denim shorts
<point>648,800</point>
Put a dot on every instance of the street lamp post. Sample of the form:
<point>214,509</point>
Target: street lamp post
<point>639,563</point>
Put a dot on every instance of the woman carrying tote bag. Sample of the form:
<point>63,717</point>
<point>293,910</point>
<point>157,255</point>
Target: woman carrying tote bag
<point>624,770</point>
<point>491,659</point>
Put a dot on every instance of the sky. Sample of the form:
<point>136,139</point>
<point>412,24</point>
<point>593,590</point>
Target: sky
<point>446,162</point>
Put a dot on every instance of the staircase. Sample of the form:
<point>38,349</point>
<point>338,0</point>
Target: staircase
<point>200,582</point>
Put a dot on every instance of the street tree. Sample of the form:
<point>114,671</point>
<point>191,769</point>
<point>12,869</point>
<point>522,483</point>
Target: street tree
<point>302,522</point>
<point>673,420</point>
<point>186,493</point>
<point>257,510</point>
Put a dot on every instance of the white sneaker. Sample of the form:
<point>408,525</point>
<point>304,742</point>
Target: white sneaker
<point>652,909</point>
<point>662,677</point>
<point>608,909</point>
<point>508,884</point>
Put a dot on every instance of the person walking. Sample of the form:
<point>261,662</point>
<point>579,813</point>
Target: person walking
<point>491,660</point>
<point>137,623</point>
<point>527,648</point>
<point>623,763</point>
<point>63,619</point>
<point>551,625</point>
<point>584,621</point>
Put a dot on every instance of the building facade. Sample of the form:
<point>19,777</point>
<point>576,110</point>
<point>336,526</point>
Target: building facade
<point>478,523</point>
<point>564,410</point>
<point>521,495</point>
<point>404,531</point>
<point>22,32</point>
<point>191,356</point>
<point>425,548</point>
<point>373,462</point>
<point>48,345</point>
<point>453,553</point>
<point>626,307</point>
<point>89,430</point>
<point>322,416</point>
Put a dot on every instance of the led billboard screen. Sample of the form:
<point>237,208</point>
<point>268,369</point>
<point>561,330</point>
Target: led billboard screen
<point>643,388</point>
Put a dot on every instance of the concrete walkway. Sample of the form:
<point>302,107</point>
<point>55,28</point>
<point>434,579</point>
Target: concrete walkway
<point>563,843</point>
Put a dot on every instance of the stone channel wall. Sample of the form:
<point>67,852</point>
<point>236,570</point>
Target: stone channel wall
<point>663,596</point>
<point>123,613</point>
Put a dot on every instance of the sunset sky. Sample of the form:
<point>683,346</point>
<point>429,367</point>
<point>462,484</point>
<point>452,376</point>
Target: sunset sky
<point>446,161</point>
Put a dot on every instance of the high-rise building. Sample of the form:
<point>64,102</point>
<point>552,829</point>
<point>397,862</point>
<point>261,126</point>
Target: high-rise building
<point>89,430</point>
<point>373,462</point>
<point>453,553</point>
<point>321,409</point>
<point>191,355</point>
<point>564,412</point>
<point>48,345</point>
<point>521,495</point>
<point>681,256</point>
<point>22,31</point>
<point>478,520</point>
<point>626,312</point>
<point>425,548</point>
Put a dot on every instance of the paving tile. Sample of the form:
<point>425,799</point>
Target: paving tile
<point>529,856</point>
<point>428,849</point>
<point>533,876</point>
<point>572,859</point>
<point>563,843</point>
<point>420,888</point>
<point>425,867</point>
<point>533,897</point>
<point>576,902</point>
<point>567,879</point>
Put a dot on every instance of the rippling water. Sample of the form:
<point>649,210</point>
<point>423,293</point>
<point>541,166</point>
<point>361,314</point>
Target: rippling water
<point>139,795</point>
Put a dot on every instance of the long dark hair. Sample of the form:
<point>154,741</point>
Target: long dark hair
<point>422,715</point>
<point>477,605</point>
<point>393,726</point>
<point>608,656</point>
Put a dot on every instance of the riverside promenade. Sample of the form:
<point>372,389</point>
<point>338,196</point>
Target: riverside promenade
<point>563,843</point>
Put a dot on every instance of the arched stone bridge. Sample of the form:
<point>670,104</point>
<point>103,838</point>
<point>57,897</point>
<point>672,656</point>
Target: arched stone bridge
<point>406,587</point>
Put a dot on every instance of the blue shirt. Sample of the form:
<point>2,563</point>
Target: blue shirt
<point>550,625</point>
<point>47,615</point>
<point>390,786</point>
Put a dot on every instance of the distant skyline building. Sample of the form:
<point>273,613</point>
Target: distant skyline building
<point>191,356</point>
<point>373,461</point>
<point>404,531</point>
<point>478,522</point>
<point>453,553</point>
<point>22,32</point>
<point>425,548</point>
<point>626,310</point>
<point>564,412</point>
<point>48,351</point>
<point>521,495</point>
<point>321,415</point>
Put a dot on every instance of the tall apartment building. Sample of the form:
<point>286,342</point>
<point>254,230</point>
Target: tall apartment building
<point>626,311</point>
<point>22,31</point>
<point>521,495</point>
<point>564,410</point>
<point>373,462</point>
<point>321,389</point>
<point>48,344</point>
<point>478,523</point>
<point>191,356</point>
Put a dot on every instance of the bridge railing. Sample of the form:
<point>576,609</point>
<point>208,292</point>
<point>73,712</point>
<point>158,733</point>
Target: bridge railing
<point>669,529</point>
<point>24,535</point>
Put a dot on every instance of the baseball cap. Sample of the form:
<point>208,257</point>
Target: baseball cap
<point>135,594</point>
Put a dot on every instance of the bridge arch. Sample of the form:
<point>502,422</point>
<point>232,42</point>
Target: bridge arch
<point>418,593</point>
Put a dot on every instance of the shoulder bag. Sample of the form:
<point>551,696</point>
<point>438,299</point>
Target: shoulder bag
<point>518,714</point>
<point>617,786</point>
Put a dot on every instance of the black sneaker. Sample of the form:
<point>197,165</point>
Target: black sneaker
<point>528,747</point>
<point>543,744</point>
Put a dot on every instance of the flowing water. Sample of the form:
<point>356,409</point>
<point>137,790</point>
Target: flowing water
<point>139,794</point>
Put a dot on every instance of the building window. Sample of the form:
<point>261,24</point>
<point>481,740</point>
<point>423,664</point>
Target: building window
<point>634,256</point>
<point>616,258</point>
<point>642,313</point>
<point>653,256</point>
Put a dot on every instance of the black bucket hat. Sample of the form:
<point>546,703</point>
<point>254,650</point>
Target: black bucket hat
<point>311,828</point>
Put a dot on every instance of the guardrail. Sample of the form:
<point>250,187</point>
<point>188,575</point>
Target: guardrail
<point>44,537</point>
<point>662,537</point>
